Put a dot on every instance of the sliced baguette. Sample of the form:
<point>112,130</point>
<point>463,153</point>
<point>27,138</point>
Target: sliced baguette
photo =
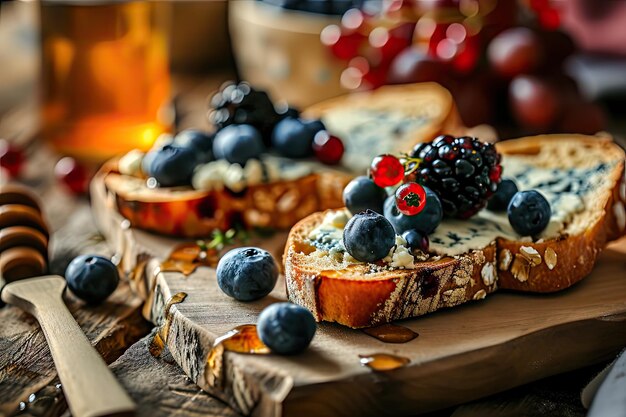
<point>350,295</point>
<point>189,213</point>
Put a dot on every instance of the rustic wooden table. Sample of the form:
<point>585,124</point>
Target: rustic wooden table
<point>28,380</point>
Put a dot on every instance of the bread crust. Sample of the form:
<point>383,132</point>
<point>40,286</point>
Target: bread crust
<point>566,260</point>
<point>191,213</point>
<point>366,301</point>
<point>444,117</point>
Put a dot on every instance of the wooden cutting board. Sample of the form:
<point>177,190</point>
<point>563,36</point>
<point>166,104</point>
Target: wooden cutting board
<point>461,354</point>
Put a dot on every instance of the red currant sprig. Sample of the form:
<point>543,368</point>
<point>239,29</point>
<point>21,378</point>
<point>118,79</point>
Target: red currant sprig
<point>388,170</point>
<point>410,198</point>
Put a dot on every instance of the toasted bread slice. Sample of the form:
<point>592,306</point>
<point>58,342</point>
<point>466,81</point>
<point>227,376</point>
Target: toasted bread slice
<point>360,295</point>
<point>390,119</point>
<point>416,112</point>
<point>186,212</point>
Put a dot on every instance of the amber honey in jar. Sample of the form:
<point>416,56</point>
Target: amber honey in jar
<point>105,76</point>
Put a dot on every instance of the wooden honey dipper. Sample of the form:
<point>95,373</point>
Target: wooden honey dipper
<point>89,385</point>
<point>23,235</point>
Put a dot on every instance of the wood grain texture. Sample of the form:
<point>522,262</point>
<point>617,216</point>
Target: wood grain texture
<point>89,387</point>
<point>462,353</point>
<point>160,388</point>
<point>26,366</point>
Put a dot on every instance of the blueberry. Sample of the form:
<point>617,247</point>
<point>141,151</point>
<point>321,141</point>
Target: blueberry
<point>202,142</point>
<point>416,240</point>
<point>288,112</point>
<point>238,144</point>
<point>314,125</point>
<point>247,274</point>
<point>368,236</point>
<point>173,165</point>
<point>425,222</point>
<point>362,194</point>
<point>293,138</point>
<point>503,195</point>
<point>286,328</point>
<point>92,278</point>
<point>529,213</point>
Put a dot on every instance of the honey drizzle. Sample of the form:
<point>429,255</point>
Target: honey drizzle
<point>391,333</point>
<point>187,257</point>
<point>383,361</point>
<point>159,341</point>
<point>241,339</point>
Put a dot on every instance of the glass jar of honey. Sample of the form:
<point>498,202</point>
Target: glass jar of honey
<point>105,76</point>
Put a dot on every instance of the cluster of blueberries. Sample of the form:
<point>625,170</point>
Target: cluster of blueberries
<point>370,233</point>
<point>173,164</point>
<point>246,274</point>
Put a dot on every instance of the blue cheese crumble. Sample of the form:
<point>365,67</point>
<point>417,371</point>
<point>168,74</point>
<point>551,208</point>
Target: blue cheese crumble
<point>565,189</point>
<point>327,238</point>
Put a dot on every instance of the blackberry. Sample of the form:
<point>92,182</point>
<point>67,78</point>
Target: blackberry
<point>242,104</point>
<point>464,172</point>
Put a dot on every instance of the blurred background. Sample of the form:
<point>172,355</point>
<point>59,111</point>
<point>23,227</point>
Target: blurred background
<point>96,78</point>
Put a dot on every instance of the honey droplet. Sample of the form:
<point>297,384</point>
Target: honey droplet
<point>383,361</point>
<point>241,339</point>
<point>156,346</point>
<point>187,252</point>
<point>185,258</point>
<point>159,341</point>
<point>391,333</point>
<point>186,268</point>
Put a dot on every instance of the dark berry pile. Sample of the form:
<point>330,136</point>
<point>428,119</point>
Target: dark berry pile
<point>241,104</point>
<point>463,172</point>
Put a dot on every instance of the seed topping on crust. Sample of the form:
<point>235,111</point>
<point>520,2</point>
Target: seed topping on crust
<point>531,255</point>
<point>550,258</point>
<point>488,274</point>
<point>505,259</point>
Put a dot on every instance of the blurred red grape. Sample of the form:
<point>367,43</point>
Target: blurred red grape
<point>534,102</point>
<point>515,51</point>
<point>413,65</point>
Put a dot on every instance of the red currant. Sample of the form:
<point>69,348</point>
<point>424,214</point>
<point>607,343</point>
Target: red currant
<point>386,170</point>
<point>11,158</point>
<point>72,174</point>
<point>328,149</point>
<point>410,198</point>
